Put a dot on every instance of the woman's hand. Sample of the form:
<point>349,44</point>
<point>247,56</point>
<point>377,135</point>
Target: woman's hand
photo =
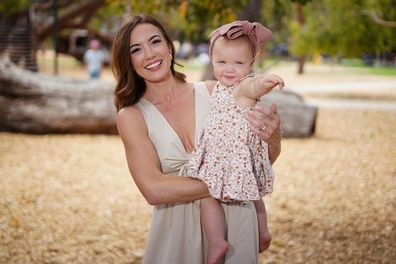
<point>265,122</point>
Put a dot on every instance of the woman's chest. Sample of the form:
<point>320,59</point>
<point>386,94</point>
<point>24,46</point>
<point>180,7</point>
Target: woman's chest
<point>181,118</point>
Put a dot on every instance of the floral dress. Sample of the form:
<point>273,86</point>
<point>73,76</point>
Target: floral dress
<point>229,157</point>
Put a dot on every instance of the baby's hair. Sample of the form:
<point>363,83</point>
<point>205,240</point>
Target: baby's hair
<point>242,38</point>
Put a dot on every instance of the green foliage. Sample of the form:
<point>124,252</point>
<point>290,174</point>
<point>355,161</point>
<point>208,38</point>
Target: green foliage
<point>10,7</point>
<point>339,28</point>
<point>277,15</point>
<point>332,27</point>
<point>303,2</point>
<point>202,16</point>
<point>193,19</point>
<point>302,39</point>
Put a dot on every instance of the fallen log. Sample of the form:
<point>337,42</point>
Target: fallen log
<point>298,119</point>
<point>41,104</point>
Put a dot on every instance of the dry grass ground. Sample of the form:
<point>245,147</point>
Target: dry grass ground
<point>70,199</point>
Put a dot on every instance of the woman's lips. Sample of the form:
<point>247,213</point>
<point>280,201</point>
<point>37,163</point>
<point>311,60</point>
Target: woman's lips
<point>154,66</point>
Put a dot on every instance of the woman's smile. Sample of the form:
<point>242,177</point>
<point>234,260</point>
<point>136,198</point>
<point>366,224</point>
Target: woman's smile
<point>156,65</point>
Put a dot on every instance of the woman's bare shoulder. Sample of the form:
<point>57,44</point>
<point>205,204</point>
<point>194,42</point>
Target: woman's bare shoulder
<point>130,121</point>
<point>128,113</point>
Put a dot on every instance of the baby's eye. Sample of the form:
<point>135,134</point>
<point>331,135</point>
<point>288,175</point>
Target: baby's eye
<point>221,62</point>
<point>240,62</point>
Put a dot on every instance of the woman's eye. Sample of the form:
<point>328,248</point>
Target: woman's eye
<point>134,51</point>
<point>156,41</point>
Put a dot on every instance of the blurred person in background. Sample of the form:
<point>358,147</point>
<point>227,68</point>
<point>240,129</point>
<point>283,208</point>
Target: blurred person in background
<point>94,59</point>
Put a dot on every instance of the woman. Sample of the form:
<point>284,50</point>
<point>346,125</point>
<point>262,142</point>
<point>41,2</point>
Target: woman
<point>159,117</point>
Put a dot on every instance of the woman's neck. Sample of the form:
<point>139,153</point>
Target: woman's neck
<point>162,92</point>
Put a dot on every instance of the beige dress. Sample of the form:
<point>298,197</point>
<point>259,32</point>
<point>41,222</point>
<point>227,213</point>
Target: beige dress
<point>176,236</point>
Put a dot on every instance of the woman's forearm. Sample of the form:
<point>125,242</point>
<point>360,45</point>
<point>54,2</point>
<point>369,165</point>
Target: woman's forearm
<point>176,189</point>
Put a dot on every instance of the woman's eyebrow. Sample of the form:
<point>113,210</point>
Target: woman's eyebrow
<point>132,45</point>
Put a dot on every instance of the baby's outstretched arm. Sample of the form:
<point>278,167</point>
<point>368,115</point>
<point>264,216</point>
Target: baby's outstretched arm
<point>259,85</point>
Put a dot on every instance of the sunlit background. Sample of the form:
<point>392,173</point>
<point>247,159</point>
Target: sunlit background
<point>66,195</point>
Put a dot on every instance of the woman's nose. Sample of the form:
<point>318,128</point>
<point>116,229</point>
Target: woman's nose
<point>148,53</point>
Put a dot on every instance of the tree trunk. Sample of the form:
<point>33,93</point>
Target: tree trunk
<point>301,22</point>
<point>84,12</point>
<point>301,63</point>
<point>38,103</point>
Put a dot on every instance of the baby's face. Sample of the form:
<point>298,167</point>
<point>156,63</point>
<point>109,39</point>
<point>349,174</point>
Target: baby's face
<point>231,59</point>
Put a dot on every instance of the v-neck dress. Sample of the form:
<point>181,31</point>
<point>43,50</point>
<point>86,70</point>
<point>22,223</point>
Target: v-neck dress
<point>175,235</point>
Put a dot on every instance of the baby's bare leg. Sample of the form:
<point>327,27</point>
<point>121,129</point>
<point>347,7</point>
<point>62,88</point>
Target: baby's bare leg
<point>264,234</point>
<point>213,222</point>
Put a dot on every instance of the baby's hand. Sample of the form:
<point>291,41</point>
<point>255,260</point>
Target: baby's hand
<point>254,88</point>
<point>265,83</point>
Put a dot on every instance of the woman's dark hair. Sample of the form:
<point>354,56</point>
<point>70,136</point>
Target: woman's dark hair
<point>130,86</point>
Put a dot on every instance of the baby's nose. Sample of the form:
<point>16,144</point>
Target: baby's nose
<point>230,68</point>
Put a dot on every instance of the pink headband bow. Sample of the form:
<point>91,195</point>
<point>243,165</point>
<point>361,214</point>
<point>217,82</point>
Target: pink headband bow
<point>256,32</point>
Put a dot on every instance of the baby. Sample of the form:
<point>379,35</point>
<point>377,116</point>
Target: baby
<point>229,157</point>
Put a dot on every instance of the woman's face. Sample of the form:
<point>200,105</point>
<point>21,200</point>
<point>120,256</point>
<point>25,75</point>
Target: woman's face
<point>150,53</point>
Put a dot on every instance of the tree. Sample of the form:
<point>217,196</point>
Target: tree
<point>74,16</point>
<point>339,28</point>
<point>12,7</point>
<point>301,24</point>
<point>193,19</point>
<point>377,19</point>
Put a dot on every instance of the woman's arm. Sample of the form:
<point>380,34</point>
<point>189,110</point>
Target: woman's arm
<point>145,168</point>
<point>266,124</point>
